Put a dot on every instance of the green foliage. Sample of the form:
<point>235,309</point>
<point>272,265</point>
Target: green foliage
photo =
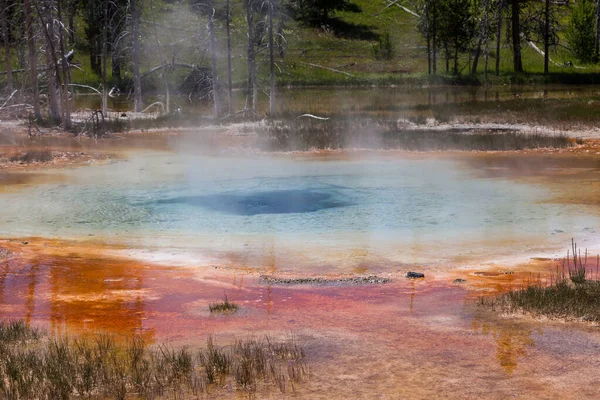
<point>317,12</point>
<point>580,31</point>
<point>384,49</point>
<point>452,22</point>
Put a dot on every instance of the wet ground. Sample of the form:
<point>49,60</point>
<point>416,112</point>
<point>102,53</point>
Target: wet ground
<point>423,338</point>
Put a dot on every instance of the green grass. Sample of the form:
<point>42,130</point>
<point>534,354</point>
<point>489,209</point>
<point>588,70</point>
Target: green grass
<point>99,367</point>
<point>571,293</point>
<point>223,307</point>
<point>330,47</point>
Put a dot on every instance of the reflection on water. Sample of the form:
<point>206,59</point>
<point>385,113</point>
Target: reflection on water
<point>362,100</point>
<point>81,295</point>
<point>512,341</point>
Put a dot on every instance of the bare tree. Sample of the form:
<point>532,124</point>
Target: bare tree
<point>53,77</point>
<point>546,35</point>
<point>6,40</point>
<point>37,112</point>
<point>66,72</point>
<point>105,58</point>
<point>483,37</point>
<point>434,37</point>
<point>499,18</point>
<point>229,85</point>
<point>597,37</point>
<point>72,10</point>
<point>516,34</point>
<point>213,56</point>
<point>272,100</point>
<point>135,55</point>
<point>427,35</point>
<point>251,90</point>
<point>165,65</point>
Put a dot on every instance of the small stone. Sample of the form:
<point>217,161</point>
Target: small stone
<point>414,275</point>
<point>458,281</point>
<point>24,242</point>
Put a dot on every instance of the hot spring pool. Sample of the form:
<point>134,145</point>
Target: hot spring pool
<point>329,213</point>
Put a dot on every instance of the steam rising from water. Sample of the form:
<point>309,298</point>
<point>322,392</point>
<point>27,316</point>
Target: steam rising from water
<point>325,207</point>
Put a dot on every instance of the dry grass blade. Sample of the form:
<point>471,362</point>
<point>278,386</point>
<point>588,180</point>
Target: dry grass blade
<point>33,367</point>
<point>567,295</point>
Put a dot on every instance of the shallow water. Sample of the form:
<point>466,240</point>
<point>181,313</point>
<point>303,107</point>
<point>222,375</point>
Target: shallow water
<point>332,213</point>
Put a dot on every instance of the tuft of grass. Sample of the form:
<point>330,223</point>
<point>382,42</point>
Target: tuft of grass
<point>12,331</point>
<point>569,295</point>
<point>98,367</point>
<point>223,307</point>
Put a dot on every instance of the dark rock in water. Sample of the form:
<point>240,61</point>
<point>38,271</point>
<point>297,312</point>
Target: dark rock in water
<point>24,242</point>
<point>414,275</point>
<point>458,280</point>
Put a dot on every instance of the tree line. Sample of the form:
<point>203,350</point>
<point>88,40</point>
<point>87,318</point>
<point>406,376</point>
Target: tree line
<point>132,39</point>
<point>453,26</point>
<point>41,36</point>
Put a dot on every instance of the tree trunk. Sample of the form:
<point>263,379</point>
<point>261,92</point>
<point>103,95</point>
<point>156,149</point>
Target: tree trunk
<point>455,58</point>
<point>499,37</point>
<point>272,102</point>
<point>6,40</point>
<point>434,37</point>
<point>72,11</point>
<point>477,55</point>
<point>250,102</point>
<point>116,65</point>
<point>98,54</point>
<point>546,36</point>
<point>135,55</point>
<point>486,16</point>
<point>66,73</point>
<point>597,38</point>
<point>37,112</point>
<point>53,106</point>
<point>516,35</point>
<point>213,56</point>
<point>164,74</point>
<point>105,60</point>
<point>447,56</point>
<point>229,86</point>
<point>483,33</point>
<point>52,72</point>
<point>428,37</point>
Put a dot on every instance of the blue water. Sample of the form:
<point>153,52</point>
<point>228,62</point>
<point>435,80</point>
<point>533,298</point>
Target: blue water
<point>270,202</point>
<point>388,205</point>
